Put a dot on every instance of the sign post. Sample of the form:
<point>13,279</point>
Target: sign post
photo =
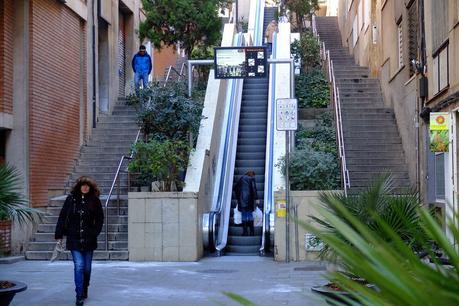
<point>287,120</point>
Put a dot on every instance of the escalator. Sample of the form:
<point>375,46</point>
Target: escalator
<point>251,150</point>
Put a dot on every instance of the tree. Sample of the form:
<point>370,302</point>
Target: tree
<point>302,9</point>
<point>188,22</point>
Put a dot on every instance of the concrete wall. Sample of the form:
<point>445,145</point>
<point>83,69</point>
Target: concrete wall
<point>164,226</point>
<point>162,59</point>
<point>305,204</point>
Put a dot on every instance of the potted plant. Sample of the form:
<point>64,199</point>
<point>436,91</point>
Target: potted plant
<point>378,208</point>
<point>397,271</point>
<point>13,208</point>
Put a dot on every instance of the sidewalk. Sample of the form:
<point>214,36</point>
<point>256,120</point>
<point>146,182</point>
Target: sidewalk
<point>259,279</point>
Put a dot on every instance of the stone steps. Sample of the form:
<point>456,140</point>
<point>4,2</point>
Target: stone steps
<point>99,158</point>
<point>371,138</point>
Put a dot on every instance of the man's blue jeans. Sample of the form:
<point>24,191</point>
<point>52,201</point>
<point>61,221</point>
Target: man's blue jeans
<point>82,261</point>
<point>140,76</point>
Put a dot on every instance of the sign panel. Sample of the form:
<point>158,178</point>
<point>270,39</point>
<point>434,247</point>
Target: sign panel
<point>286,115</point>
<point>439,132</point>
<point>281,208</point>
<point>240,62</point>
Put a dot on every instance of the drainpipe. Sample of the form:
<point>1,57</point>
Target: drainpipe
<point>422,86</point>
<point>94,10</point>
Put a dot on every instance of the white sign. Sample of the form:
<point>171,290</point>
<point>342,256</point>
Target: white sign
<point>286,115</point>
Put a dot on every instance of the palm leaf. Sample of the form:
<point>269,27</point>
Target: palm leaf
<point>13,205</point>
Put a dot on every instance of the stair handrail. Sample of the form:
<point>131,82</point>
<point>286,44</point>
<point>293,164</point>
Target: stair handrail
<point>182,70</point>
<point>115,179</point>
<point>172,69</point>
<point>337,106</point>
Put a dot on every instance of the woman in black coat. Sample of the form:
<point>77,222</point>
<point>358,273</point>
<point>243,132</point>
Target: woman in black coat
<point>246,193</point>
<point>80,220</point>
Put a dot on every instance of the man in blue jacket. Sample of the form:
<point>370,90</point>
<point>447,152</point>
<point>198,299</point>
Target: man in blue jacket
<point>141,64</point>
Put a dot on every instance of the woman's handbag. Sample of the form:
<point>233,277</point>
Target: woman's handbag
<point>58,249</point>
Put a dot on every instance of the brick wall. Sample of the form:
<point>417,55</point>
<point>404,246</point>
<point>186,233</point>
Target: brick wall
<point>162,60</point>
<point>6,55</point>
<point>55,80</point>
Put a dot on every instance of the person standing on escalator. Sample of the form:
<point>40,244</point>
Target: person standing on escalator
<point>246,194</point>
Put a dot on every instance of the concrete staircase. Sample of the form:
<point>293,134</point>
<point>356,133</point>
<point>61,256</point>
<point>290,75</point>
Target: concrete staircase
<point>99,159</point>
<point>372,141</point>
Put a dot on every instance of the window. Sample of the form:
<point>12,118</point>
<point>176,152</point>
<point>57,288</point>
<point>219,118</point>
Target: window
<point>366,14</point>
<point>440,70</point>
<point>439,23</point>
<point>400,44</point>
<point>412,11</point>
<point>360,14</point>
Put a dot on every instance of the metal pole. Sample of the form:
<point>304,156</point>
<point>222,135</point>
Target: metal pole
<point>287,196</point>
<point>236,21</point>
<point>190,78</point>
<point>287,153</point>
<point>192,63</point>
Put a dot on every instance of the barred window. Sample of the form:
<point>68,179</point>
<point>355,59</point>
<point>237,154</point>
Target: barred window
<point>400,44</point>
<point>412,34</point>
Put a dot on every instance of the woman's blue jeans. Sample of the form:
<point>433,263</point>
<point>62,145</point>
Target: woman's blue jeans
<point>82,261</point>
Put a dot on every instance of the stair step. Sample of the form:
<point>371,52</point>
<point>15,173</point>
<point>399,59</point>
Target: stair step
<point>49,246</point>
<point>98,255</point>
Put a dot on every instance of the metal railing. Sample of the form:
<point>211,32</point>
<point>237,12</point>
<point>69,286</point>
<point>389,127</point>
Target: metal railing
<point>172,69</point>
<point>116,180</point>
<point>124,157</point>
<point>325,56</point>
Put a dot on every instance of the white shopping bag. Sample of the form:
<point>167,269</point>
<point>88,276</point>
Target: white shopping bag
<point>237,217</point>
<point>257,217</point>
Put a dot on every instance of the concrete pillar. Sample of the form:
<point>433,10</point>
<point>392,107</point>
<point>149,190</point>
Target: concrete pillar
<point>17,146</point>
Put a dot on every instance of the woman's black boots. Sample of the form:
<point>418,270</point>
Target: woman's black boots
<point>251,228</point>
<point>79,301</point>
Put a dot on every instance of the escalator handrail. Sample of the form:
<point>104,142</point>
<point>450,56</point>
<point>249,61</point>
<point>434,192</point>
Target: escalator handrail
<point>225,178</point>
<point>269,162</point>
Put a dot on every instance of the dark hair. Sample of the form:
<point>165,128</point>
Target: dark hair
<point>250,173</point>
<point>142,47</point>
<point>85,180</point>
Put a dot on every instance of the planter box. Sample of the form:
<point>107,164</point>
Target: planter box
<point>164,226</point>
<point>300,246</point>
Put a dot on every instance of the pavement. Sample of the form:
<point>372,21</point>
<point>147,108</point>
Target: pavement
<point>258,279</point>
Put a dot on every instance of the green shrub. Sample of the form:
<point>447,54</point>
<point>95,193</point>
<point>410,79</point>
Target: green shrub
<point>167,112</point>
<point>312,170</point>
<point>314,163</point>
<point>307,50</point>
<point>160,161</point>
<point>312,89</point>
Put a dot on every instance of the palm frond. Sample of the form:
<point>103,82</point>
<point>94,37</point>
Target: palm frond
<point>13,205</point>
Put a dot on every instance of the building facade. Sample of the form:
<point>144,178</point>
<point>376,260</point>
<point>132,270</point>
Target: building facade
<point>412,46</point>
